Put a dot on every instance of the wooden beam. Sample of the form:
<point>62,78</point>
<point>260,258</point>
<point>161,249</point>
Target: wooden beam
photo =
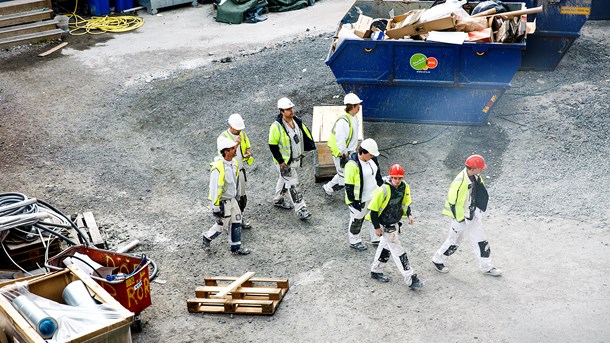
<point>52,50</point>
<point>233,285</point>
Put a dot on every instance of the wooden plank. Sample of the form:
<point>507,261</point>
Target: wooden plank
<point>94,232</point>
<point>52,50</point>
<point>237,283</point>
<point>240,292</point>
<point>196,305</point>
<point>210,280</point>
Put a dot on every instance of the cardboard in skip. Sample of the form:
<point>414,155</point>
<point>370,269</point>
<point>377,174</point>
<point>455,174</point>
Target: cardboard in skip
<point>51,286</point>
<point>397,30</point>
<point>362,27</point>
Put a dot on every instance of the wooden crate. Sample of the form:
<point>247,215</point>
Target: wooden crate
<point>244,295</point>
<point>324,118</point>
<point>51,287</point>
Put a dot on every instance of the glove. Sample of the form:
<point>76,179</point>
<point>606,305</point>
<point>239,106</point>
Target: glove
<point>357,205</point>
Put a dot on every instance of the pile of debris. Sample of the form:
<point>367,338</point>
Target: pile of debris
<point>450,22</point>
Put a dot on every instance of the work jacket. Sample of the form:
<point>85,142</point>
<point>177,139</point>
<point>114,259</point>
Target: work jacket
<point>354,180</point>
<point>381,198</point>
<point>217,188</point>
<point>243,146</point>
<point>460,203</point>
<point>332,140</point>
<point>280,143</point>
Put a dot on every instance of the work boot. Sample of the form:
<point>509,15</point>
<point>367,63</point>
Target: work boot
<point>375,243</point>
<point>206,243</point>
<point>380,277</point>
<point>241,251</point>
<point>246,226</point>
<point>415,282</point>
<point>493,272</point>
<point>329,191</point>
<point>441,268</point>
<point>358,246</point>
<point>303,214</point>
<point>281,202</point>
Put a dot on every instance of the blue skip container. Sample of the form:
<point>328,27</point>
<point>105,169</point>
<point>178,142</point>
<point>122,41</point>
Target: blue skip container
<point>422,82</point>
<point>600,10</point>
<point>557,27</point>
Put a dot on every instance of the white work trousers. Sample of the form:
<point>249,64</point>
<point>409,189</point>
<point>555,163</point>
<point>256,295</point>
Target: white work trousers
<point>354,214</point>
<point>338,179</point>
<point>288,186</point>
<point>476,234</point>
<point>390,243</point>
<point>241,183</point>
<point>231,223</point>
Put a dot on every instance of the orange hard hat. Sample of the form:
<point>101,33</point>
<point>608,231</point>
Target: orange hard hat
<point>397,171</point>
<point>476,162</point>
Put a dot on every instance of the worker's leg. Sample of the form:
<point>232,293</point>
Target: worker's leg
<point>451,243</point>
<point>399,255</point>
<point>356,218</point>
<point>337,179</point>
<point>480,245</point>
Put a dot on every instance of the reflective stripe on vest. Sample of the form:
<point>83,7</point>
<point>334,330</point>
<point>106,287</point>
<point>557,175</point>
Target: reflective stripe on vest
<point>243,146</point>
<point>219,165</point>
<point>332,140</point>
<point>284,143</point>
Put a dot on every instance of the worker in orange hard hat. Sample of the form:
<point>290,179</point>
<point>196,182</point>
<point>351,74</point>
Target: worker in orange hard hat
<point>466,201</point>
<point>390,203</point>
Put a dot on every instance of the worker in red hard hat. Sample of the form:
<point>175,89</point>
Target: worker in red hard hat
<point>466,201</point>
<point>390,203</point>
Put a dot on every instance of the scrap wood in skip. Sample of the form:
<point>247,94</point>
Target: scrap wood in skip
<point>324,118</point>
<point>238,294</point>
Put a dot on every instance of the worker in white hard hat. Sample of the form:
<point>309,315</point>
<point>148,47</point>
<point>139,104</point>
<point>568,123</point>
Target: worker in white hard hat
<point>289,138</point>
<point>236,133</point>
<point>343,140</point>
<point>362,177</point>
<point>223,190</point>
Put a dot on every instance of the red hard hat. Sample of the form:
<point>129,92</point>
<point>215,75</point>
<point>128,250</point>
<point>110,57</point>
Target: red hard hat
<point>476,162</point>
<point>397,171</point>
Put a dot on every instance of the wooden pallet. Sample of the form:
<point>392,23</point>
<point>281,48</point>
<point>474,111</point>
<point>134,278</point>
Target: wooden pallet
<point>28,255</point>
<point>244,295</point>
<point>86,223</point>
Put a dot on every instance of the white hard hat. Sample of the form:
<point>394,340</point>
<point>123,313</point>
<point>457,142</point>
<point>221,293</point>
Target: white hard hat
<point>236,121</point>
<point>224,143</point>
<point>351,98</point>
<point>371,146</point>
<point>284,103</point>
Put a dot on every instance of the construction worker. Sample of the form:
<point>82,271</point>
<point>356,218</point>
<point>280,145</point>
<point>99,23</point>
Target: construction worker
<point>362,177</point>
<point>244,156</point>
<point>391,202</point>
<point>289,138</point>
<point>466,202</point>
<point>223,190</point>
<point>343,140</point>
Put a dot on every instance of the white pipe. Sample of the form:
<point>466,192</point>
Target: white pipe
<point>128,247</point>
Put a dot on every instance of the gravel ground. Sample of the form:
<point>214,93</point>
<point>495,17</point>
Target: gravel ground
<point>136,153</point>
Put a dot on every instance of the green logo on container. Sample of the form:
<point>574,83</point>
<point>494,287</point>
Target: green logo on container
<point>421,62</point>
